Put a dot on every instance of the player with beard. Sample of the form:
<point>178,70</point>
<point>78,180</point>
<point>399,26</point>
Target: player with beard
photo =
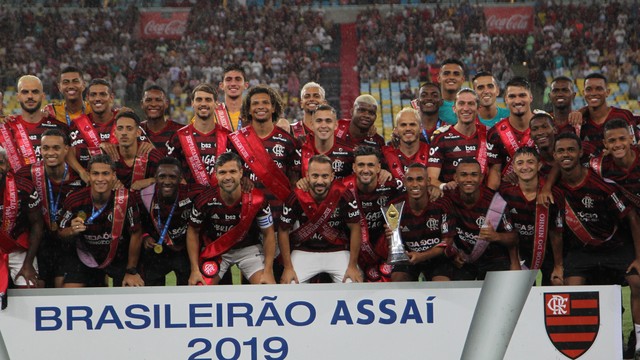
<point>561,98</point>
<point>421,227</point>
<point>451,77</point>
<point>27,128</point>
<point>602,230</point>
<point>370,197</point>
<point>54,180</point>
<point>328,239</point>
<point>357,131</point>
<point>510,133</point>
<point>71,85</point>
<point>467,139</point>
<point>240,220</point>
<point>428,104</point>
<point>20,232</point>
<point>199,144</point>
<point>598,112</point>
<point>233,84</point>
<point>157,126</point>
<point>539,228</point>
<point>134,170</point>
<point>479,234</point>
<point>165,207</point>
<point>312,95</point>
<point>104,225</point>
<point>409,149</point>
<point>485,84</point>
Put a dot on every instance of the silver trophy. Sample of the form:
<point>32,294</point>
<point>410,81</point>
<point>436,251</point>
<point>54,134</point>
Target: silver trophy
<point>397,253</point>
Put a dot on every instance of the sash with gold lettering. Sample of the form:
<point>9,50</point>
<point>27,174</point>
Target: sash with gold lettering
<point>481,156</point>
<point>251,204</point>
<point>89,134</point>
<point>24,143</point>
<point>140,168</point>
<point>40,181</point>
<point>250,148</point>
<point>120,205</point>
<point>343,128</point>
<point>223,117</point>
<point>306,153</point>
<point>318,215</point>
<point>367,254</point>
<point>596,165</point>
<point>540,236</point>
<point>192,154</point>
<point>9,216</point>
<point>13,155</point>
<point>579,230</point>
<point>395,164</point>
<point>298,129</point>
<point>511,144</point>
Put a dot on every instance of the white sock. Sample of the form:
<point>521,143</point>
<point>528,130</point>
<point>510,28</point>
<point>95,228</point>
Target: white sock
<point>636,328</point>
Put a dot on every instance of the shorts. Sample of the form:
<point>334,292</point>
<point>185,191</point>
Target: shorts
<point>308,264</point>
<point>76,272</point>
<point>478,270</point>
<point>16,260</point>
<point>589,263</point>
<point>51,255</point>
<point>155,267</point>
<point>250,260</point>
<point>430,269</point>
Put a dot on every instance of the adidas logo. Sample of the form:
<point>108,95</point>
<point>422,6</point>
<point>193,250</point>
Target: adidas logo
<point>457,148</point>
<point>215,216</point>
<point>405,229</point>
<point>513,211</point>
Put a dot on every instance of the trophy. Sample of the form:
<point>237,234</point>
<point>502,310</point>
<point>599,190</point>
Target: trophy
<point>397,254</point>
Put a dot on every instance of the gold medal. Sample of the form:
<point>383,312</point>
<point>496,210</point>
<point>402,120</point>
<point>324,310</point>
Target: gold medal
<point>82,215</point>
<point>157,249</point>
<point>54,226</point>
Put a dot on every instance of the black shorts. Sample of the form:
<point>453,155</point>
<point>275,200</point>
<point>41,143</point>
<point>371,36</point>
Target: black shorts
<point>51,257</point>
<point>590,263</point>
<point>430,269</point>
<point>155,267</point>
<point>77,272</point>
<point>479,269</point>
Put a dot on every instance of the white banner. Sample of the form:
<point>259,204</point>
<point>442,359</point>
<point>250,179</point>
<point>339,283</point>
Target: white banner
<point>317,321</point>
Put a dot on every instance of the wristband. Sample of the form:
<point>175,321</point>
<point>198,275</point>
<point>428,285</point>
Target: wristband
<point>442,186</point>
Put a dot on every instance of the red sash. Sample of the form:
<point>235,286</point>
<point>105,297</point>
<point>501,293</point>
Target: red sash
<point>9,216</point>
<point>140,168</point>
<point>395,164</point>
<point>223,117</point>
<point>251,204</point>
<point>578,229</point>
<point>511,144</point>
<point>39,180</point>
<point>367,254</point>
<point>481,156</point>
<point>596,164</point>
<point>298,129</point>
<point>13,156</point>
<point>24,143</point>
<point>89,134</point>
<point>343,128</point>
<point>192,154</point>
<point>318,215</point>
<point>250,148</point>
<point>120,205</point>
<point>306,153</point>
<point>540,236</point>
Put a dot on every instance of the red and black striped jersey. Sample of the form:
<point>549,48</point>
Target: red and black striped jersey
<point>594,133</point>
<point>124,172</point>
<point>448,147</point>
<point>422,230</point>
<point>160,139</point>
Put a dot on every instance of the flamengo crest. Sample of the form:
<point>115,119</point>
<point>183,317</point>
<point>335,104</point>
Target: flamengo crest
<point>572,321</point>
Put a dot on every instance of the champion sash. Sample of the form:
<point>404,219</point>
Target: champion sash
<point>579,230</point>
<point>540,236</point>
<point>511,144</point>
<point>119,215</point>
<point>89,134</point>
<point>13,156</point>
<point>140,168</point>
<point>343,128</point>
<point>24,143</point>
<point>319,214</point>
<point>223,117</point>
<point>481,156</point>
<point>395,164</point>
<point>596,165</point>
<point>39,180</point>
<point>306,153</point>
<point>9,216</point>
<point>192,154</point>
<point>250,147</point>
<point>251,204</point>
<point>494,214</point>
<point>298,129</point>
<point>367,254</point>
